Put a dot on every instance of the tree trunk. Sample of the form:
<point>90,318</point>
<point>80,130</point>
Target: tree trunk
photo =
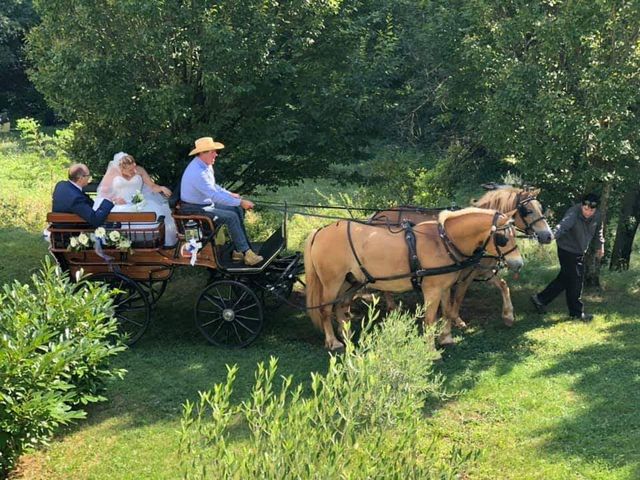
<point>626,231</point>
<point>591,261</point>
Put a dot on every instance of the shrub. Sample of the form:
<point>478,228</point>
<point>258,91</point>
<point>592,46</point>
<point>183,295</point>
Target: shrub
<point>363,419</point>
<point>55,343</point>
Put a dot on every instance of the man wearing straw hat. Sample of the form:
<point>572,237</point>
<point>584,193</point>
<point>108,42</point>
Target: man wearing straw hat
<point>198,189</point>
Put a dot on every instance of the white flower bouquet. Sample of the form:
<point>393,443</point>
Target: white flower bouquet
<point>98,239</point>
<point>138,200</point>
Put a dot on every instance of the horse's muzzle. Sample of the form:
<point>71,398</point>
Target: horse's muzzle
<point>514,264</point>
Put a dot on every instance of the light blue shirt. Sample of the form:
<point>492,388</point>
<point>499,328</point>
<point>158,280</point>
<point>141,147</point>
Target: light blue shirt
<point>198,186</point>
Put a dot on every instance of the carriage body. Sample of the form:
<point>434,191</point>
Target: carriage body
<point>229,310</point>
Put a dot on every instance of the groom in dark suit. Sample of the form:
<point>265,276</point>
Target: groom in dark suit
<point>68,197</point>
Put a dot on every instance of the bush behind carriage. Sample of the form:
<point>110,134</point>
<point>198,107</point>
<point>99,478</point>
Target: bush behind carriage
<point>55,345</point>
<point>362,419</point>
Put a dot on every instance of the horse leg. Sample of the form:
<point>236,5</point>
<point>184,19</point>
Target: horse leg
<point>432,297</point>
<point>507,306</point>
<point>456,299</point>
<point>343,308</point>
<point>391,303</point>
<point>446,305</point>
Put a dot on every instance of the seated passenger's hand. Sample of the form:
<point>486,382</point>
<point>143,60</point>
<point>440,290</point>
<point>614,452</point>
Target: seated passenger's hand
<point>246,204</point>
<point>164,191</point>
<point>119,201</point>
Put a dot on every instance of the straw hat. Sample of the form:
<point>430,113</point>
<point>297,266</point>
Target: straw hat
<point>206,144</point>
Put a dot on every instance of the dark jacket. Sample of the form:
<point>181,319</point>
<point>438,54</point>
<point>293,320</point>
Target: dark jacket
<point>67,198</point>
<point>574,232</point>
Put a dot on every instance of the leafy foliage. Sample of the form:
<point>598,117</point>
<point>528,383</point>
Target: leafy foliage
<point>55,344</point>
<point>18,96</point>
<point>270,79</point>
<point>362,418</point>
<point>554,87</point>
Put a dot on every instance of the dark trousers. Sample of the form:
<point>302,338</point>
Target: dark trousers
<point>570,279</point>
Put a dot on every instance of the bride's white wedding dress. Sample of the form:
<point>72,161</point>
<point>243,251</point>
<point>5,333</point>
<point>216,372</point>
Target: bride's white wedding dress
<point>153,202</point>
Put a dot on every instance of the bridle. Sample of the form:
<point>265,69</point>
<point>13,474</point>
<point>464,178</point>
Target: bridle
<point>457,256</point>
<point>521,206</point>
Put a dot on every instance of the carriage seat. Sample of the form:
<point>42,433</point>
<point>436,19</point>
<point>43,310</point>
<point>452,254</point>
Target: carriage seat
<point>143,228</point>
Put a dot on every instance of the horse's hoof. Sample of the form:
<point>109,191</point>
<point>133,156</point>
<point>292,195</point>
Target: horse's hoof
<point>335,347</point>
<point>508,321</point>
<point>447,341</point>
<point>459,323</point>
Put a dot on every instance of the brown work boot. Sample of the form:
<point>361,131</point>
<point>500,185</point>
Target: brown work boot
<point>237,256</point>
<point>251,259</point>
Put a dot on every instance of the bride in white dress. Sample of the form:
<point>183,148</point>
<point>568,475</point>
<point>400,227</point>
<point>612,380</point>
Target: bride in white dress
<point>123,180</point>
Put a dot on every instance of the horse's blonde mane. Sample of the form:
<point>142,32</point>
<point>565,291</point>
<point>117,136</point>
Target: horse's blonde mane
<point>447,214</point>
<point>503,199</point>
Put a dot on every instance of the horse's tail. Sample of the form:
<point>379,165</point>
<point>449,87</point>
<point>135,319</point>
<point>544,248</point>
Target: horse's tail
<point>313,287</point>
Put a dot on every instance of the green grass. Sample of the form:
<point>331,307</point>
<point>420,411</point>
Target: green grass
<point>546,399</point>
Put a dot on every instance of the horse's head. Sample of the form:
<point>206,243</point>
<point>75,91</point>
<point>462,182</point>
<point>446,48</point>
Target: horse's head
<point>503,242</point>
<point>478,229</point>
<point>529,216</point>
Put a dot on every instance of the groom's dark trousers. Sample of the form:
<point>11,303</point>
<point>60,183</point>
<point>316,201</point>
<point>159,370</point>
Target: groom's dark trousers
<point>67,198</point>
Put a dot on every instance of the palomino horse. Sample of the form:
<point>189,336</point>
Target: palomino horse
<point>346,255</point>
<point>529,219</point>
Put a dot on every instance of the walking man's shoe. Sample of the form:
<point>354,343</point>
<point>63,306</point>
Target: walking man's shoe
<point>585,317</point>
<point>537,304</point>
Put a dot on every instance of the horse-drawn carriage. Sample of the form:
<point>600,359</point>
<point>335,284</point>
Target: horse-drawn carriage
<point>229,310</point>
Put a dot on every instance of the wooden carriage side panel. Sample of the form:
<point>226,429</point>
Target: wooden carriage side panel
<point>128,217</point>
<point>143,229</point>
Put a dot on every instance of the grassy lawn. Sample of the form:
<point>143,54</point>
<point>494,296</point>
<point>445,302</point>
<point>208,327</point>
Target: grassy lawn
<point>546,399</point>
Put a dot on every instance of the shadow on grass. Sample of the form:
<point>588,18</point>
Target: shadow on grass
<point>172,362</point>
<point>608,429</point>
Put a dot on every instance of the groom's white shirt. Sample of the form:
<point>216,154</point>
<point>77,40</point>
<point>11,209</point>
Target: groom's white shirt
<point>198,186</point>
<point>76,185</point>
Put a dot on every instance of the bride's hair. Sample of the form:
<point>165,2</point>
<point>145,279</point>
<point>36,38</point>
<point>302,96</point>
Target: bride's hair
<point>126,160</point>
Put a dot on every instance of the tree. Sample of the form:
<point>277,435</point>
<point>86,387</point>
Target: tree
<point>269,79</point>
<point>552,87</point>
<point>17,95</point>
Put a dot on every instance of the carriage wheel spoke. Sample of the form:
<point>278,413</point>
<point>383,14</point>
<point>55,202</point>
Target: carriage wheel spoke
<point>248,318</point>
<point>222,298</point>
<point>236,310</point>
<point>124,319</point>
<point>213,300</point>
<point>245,327</point>
<point>217,329</point>
<point>204,325</point>
<point>235,329</point>
<point>244,294</point>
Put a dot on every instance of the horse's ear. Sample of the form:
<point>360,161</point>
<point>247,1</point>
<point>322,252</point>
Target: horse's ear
<point>508,216</point>
<point>534,192</point>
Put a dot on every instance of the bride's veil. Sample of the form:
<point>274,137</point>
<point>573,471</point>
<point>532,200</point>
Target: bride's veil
<point>105,187</point>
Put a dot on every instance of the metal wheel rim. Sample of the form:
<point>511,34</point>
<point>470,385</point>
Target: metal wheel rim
<point>229,314</point>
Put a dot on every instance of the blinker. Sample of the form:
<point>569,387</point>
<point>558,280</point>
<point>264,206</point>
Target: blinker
<point>501,240</point>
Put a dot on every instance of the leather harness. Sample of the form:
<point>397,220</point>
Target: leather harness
<point>416,272</point>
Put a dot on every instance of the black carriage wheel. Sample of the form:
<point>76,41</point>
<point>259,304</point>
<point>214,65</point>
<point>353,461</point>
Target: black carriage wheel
<point>154,290</point>
<point>229,314</point>
<point>132,308</point>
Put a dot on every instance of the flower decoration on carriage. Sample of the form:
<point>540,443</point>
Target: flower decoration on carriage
<point>99,239</point>
<point>138,200</point>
